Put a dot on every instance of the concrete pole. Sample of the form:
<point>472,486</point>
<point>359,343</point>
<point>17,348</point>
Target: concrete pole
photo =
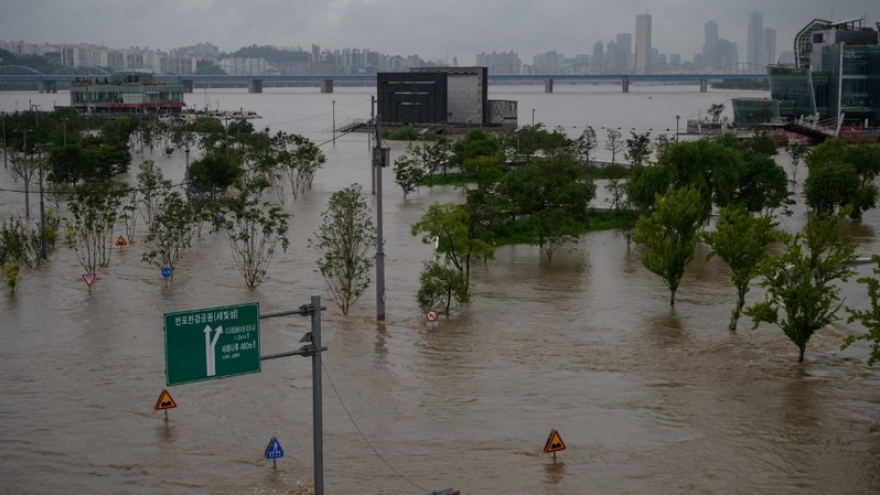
<point>369,145</point>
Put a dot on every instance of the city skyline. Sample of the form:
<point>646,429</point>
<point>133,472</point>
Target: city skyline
<point>453,29</point>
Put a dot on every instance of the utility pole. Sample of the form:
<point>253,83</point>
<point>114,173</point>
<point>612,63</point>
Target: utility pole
<point>380,160</point>
<point>5,152</point>
<point>334,123</point>
<point>369,144</point>
<point>42,209</point>
<point>27,179</point>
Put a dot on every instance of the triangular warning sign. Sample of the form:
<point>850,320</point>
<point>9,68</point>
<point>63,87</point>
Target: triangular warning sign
<point>554,443</point>
<point>165,401</point>
<point>121,242</point>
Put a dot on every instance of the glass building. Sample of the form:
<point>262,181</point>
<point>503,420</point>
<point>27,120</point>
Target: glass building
<point>836,76</point>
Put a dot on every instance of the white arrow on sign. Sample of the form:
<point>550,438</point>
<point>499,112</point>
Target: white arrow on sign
<point>210,350</point>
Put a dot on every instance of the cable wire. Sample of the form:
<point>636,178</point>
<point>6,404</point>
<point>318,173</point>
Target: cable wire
<point>361,433</point>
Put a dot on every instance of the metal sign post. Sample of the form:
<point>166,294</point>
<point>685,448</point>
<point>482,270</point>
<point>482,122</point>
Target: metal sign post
<point>313,348</point>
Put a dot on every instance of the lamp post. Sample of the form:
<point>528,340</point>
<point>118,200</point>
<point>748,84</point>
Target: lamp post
<point>533,117</point>
<point>677,118</point>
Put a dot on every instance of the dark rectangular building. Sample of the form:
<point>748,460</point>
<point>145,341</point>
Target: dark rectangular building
<point>412,98</point>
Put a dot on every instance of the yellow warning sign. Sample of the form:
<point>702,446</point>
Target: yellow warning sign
<point>121,242</point>
<point>165,401</point>
<point>554,443</point>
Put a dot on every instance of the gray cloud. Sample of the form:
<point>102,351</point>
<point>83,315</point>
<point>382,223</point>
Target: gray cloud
<point>432,29</point>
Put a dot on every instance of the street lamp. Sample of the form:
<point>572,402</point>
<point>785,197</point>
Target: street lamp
<point>533,117</point>
<point>677,118</point>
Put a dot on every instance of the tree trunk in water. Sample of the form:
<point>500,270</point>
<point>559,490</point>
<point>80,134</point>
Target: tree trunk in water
<point>735,314</point>
<point>672,298</point>
<point>802,349</point>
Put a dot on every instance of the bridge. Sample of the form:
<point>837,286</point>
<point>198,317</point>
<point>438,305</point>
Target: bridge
<point>255,83</point>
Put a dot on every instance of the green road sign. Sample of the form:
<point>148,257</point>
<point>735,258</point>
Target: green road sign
<point>204,344</point>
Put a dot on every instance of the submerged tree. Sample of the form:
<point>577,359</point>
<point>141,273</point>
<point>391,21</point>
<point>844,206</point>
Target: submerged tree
<point>171,232</point>
<point>583,146</point>
<point>441,286</point>
<point>671,233</point>
<point>345,235</point>
<point>869,318</point>
<point>741,240</point>
<point>802,282</point>
<point>408,172</point>
<point>253,227</point>
<point>94,209</point>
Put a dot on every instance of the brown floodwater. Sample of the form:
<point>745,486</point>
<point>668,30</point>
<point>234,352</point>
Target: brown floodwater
<point>647,399</point>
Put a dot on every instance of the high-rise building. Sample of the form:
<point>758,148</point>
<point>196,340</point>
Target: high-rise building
<point>755,43</point>
<point>769,46</point>
<point>624,52</point>
<point>711,54</point>
<point>643,43</point>
<point>598,59</point>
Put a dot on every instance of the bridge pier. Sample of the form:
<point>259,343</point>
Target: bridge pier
<point>548,85</point>
<point>624,83</point>
<point>704,85</point>
<point>46,86</point>
<point>327,86</point>
<point>188,85</point>
<point>255,86</point>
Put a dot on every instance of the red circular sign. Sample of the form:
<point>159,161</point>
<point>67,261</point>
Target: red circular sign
<point>431,315</point>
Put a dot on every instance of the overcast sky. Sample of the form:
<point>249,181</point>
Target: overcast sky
<point>433,29</point>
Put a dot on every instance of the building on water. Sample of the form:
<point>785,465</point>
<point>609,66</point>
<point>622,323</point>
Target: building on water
<point>131,92</point>
<point>835,79</point>
<point>442,96</point>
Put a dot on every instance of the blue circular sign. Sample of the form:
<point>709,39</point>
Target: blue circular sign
<point>166,272</point>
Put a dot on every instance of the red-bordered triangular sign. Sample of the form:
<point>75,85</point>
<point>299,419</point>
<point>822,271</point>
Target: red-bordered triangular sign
<point>165,401</point>
<point>554,443</point>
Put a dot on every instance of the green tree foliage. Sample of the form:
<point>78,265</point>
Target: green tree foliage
<point>441,286</point>
<point>408,173</point>
<point>476,143</point>
<point>614,143</point>
<point>298,158</point>
<point>448,226</point>
<point>741,240</point>
<point>552,196</point>
<point>171,231</point>
<point>253,227</point>
<point>870,318</point>
<point>151,190</point>
<point>583,146</point>
<point>842,176</point>
<point>638,148</point>
<point>670,234</point>
<point>802,282</point>
<point>344,238</point>
<point>723,171</point>
<point>214,174</point>
<point>94,209</point>
<point>435,157</point>
<point>11,272</point>
<point>797,151</point>
<point>530,139</point>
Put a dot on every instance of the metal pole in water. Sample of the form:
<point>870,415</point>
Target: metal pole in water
<point>317,411</point>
